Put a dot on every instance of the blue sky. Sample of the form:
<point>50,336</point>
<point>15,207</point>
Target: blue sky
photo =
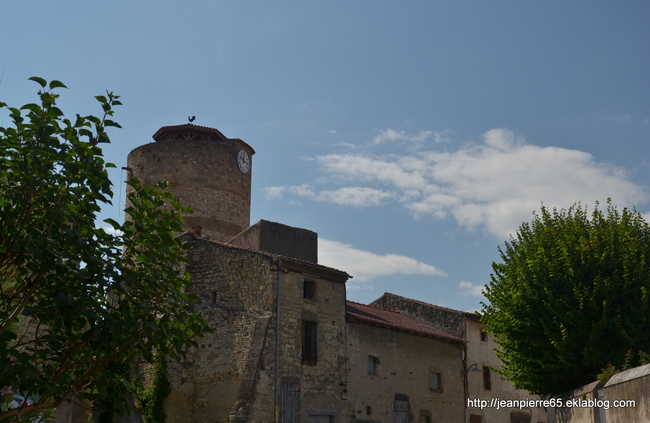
<point>413,136</point>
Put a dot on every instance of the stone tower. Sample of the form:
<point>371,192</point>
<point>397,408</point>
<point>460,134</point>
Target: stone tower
<point>206,171</point>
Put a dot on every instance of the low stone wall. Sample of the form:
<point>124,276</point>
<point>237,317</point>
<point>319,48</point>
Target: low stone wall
<point>624,398</point>
<point>628,393</point>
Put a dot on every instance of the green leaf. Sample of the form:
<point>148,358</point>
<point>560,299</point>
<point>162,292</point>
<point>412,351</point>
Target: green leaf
<point>40,81</point>
<point>56,84</point>
<point>54,182</point>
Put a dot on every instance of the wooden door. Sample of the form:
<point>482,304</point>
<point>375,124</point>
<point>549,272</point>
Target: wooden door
<point>402,410</point>
<point>290,402</point>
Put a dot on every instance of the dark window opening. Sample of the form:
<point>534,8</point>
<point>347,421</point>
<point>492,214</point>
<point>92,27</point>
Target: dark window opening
<point>309,290</point>
<point>435,381</point>
<point>484,336</point>
<point>373,365</point>
<point>309,341</point>
<point>519,418</point>
<point>487,382</point>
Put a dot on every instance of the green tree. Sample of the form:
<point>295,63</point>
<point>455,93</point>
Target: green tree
<point>78,304</point>
<point>570,296</point>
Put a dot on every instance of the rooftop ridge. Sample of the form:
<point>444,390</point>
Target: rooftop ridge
<point>467,313</point>
<point>267,254</point>
<point>398,321</point>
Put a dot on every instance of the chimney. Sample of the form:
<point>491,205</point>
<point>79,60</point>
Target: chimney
<point>196,230</point>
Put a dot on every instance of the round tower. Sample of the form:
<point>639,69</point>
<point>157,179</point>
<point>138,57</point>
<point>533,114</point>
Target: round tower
<point>206,171</point>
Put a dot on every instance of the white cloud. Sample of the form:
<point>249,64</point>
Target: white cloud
<point>351,286</point>
<point>365,266</point>
<point>390,135</point>
<point>273,193</point>
<point>354,196</point>
<point>348,167</point>
<point>468,288</point>
<point>494,185</point>
<point>440,137</point>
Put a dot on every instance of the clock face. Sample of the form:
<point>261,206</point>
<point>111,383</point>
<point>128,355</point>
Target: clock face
<point>243,161</point>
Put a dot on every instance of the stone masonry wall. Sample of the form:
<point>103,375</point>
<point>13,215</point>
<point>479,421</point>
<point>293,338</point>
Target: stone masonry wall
<point>204,175</point>
<point>633,386</point>
<point>624,398</point>
<point>321,383</point>
<point>405,364</point>
<point>235,288</point>
<point>451,321</point>
<point>231,374</point>
<point>481,358</point>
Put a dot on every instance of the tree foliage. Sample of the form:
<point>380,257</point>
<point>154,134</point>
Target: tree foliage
<point>570,296</point>
<point>79,303</point>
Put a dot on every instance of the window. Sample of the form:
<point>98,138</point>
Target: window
<point>373,365</point>
<point>484,336</point>
<point>320,415</point>
<point>309,337</point>
<point>309,290</point>
<point>519,418</point>
<point>487,383</point>
<point>435,381</point>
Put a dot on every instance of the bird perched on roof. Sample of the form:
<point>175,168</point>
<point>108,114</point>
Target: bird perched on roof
<point>191,119</point>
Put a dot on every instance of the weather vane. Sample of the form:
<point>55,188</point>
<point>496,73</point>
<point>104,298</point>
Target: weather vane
<point>191,119</point>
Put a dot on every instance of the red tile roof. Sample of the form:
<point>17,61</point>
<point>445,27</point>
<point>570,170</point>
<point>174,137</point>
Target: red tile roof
<point>397,321</point>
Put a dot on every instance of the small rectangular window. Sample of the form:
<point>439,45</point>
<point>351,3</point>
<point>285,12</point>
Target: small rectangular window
<point>373,365</point>
<point>435,381</point>
<point>519,418</point>
<point>487,382</point>
<point>309,290</point>
<point>484,336</point>
<point>309,342</point>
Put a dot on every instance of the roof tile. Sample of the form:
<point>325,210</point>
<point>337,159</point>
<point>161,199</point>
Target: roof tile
<point>396,321</point>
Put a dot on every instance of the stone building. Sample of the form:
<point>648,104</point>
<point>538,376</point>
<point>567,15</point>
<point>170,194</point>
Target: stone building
<point>401,369</point>
<point>206,171</point>
<point>287,346</point>
<point>286,341</point>
<point>482,383</point>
